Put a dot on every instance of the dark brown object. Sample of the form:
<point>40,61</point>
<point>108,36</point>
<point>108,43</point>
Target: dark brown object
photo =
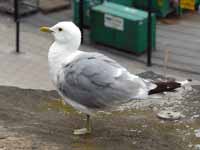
<point>165,86</point>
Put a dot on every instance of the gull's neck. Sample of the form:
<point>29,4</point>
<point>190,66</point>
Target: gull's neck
<point>60,54</point>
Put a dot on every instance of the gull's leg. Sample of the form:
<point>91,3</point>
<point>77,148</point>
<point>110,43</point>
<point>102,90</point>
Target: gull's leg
<point>86,130</point>
<point>88,124</point>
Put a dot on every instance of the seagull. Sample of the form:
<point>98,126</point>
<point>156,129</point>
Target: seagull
<point>91,81</point>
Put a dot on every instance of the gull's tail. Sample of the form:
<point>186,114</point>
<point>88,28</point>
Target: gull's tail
<point>168,86</point>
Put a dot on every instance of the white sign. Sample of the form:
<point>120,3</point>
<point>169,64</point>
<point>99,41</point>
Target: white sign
<point>113,22</point>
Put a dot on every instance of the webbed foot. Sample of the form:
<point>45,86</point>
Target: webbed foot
<point>86,130</point>
<point>82,131</point>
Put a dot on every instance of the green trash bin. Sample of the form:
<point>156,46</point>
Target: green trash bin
<point>197,3</point>
<point>123,2</point>
<point>121,27</point>
<point>161,7</point>
<point>88,4</point>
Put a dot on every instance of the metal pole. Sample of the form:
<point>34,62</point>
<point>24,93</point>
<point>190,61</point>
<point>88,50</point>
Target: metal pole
<point>81,24</point>
<point>149,50</point>
<point>17,21</point>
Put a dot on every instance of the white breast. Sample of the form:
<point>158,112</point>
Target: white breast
<point>57,57</point>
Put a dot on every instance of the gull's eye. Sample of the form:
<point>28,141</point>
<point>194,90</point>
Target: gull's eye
<point>60,29</point>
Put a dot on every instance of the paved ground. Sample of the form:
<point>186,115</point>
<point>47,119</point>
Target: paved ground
<point>182,39</point>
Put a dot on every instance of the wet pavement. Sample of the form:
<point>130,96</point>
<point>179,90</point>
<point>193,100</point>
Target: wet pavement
<point>38,120</point>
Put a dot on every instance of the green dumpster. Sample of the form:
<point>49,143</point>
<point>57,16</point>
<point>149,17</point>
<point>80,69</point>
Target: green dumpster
<point>123,2</point>
<point>161,7</point>
<point>121,27</point>
<point>88,4</point>
<point>197,3</point>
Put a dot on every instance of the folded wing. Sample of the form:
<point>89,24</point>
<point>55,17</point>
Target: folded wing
<point>96,81</point>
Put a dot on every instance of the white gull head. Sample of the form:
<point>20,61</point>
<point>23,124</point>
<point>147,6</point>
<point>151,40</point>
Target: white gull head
<point>67,33</point>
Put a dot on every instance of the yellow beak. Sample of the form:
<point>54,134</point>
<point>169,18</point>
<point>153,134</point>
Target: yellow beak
<point>45,29</point>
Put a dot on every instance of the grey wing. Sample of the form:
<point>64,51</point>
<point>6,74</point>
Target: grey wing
<point>96,81</point>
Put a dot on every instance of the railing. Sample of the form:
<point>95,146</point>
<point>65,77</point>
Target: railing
<point>17,15</point>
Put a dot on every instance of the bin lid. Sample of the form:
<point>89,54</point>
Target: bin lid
<point>121,11</point>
